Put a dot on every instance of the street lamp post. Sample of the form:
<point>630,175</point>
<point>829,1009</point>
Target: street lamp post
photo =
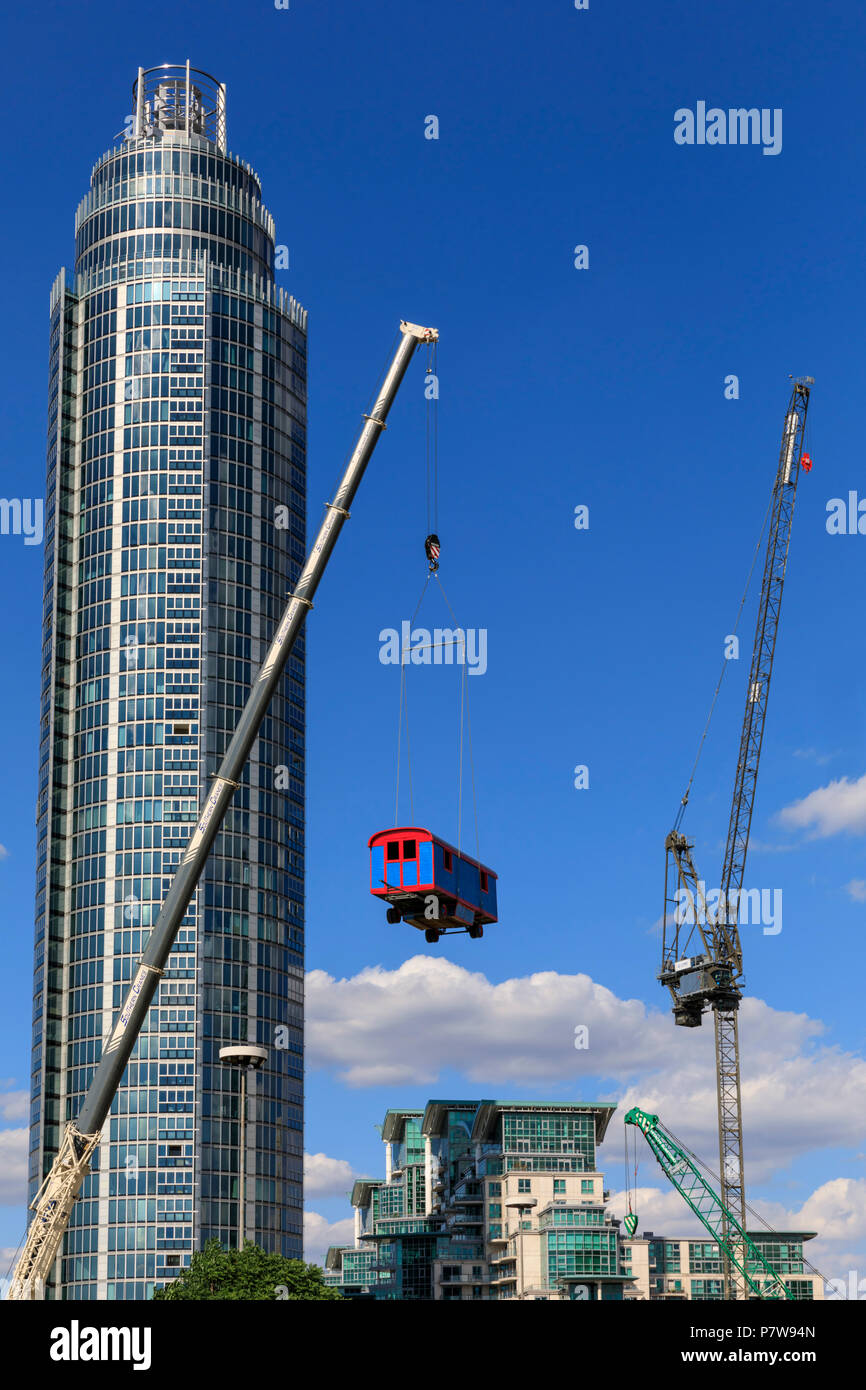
<point>244,1057</point>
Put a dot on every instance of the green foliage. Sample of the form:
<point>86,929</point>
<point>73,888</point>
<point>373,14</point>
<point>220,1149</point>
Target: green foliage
<point>250,1274</point>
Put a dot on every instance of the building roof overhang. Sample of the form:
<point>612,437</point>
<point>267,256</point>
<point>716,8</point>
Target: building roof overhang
<point>484,1128</point>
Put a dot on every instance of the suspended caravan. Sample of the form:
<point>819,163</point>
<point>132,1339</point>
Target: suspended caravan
<point>430,884</point>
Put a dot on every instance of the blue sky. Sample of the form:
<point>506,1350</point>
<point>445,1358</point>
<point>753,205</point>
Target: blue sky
<point>559,387</point>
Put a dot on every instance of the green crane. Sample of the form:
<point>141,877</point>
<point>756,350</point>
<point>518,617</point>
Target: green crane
<point>734,1243</point>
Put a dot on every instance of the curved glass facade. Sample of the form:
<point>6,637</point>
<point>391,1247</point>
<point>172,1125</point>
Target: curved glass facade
<point>175,527</point>
<point>173,203</point>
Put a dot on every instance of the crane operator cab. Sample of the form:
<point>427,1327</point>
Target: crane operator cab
<point>430,884</point>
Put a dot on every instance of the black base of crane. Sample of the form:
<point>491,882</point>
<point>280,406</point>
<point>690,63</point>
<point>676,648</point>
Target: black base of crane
<point>687,1017</point>
<point>689,1013</point>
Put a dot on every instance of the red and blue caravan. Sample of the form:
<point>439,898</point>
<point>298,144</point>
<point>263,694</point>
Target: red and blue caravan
<point>430,884</point>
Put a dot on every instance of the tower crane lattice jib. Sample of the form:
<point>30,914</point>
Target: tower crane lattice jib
<point>713,978</point>
<point>784,497</point>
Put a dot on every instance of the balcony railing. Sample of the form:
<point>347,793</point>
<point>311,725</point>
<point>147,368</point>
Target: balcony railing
<point>465,1279</point>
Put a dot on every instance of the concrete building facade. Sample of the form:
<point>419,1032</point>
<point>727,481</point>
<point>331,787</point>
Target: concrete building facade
<point>486,1201</point>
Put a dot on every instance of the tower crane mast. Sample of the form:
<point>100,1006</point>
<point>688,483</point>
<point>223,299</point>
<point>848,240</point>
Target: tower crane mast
<point>713,978</point>
<point>54,1201</point>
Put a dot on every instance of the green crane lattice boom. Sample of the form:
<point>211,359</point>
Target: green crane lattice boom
<point>735,1245</point>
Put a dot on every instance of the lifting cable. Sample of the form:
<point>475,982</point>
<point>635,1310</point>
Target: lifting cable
<point>432,430</point>
<point>431,548</point>
<point>404,706</point>
<point>685,799</point>
<point>465,721</point>
<point>627,1169</point>
<point>432,552</point>
<point>464,705</point>
<point>631,1182</point>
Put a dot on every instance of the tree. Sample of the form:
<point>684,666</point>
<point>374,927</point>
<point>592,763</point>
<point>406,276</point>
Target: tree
<point>250,1274</point>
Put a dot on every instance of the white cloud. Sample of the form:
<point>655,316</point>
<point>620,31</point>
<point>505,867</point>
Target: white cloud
<point>319,1233</point>
<point>8,1260</point>
<point>404,1026</point>
<point>836,1211</point>
<point>840,806</point>
<point>764,847</point>
<point>658,1209</point>
<point>667,919</point>
<point>814,755</point>
<point>797,1097</point>
<point>799,1093</point>
<point>327,1177</point>
<point>14,1105</point>
<point>856,889</point>
<point>14,1146</point>
<point>4,853</point>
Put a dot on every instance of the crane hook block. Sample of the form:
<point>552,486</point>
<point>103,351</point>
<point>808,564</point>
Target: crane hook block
<point>431,550</point>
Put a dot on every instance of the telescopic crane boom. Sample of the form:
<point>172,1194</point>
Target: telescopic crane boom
<point>713,978</point>
<point>54,1201</point>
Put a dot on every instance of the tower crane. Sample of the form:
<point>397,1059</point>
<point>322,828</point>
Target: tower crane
<point>54,1201</point>
<point>713,978</point>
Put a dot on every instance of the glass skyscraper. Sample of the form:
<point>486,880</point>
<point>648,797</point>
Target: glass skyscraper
<point>175,528</point>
